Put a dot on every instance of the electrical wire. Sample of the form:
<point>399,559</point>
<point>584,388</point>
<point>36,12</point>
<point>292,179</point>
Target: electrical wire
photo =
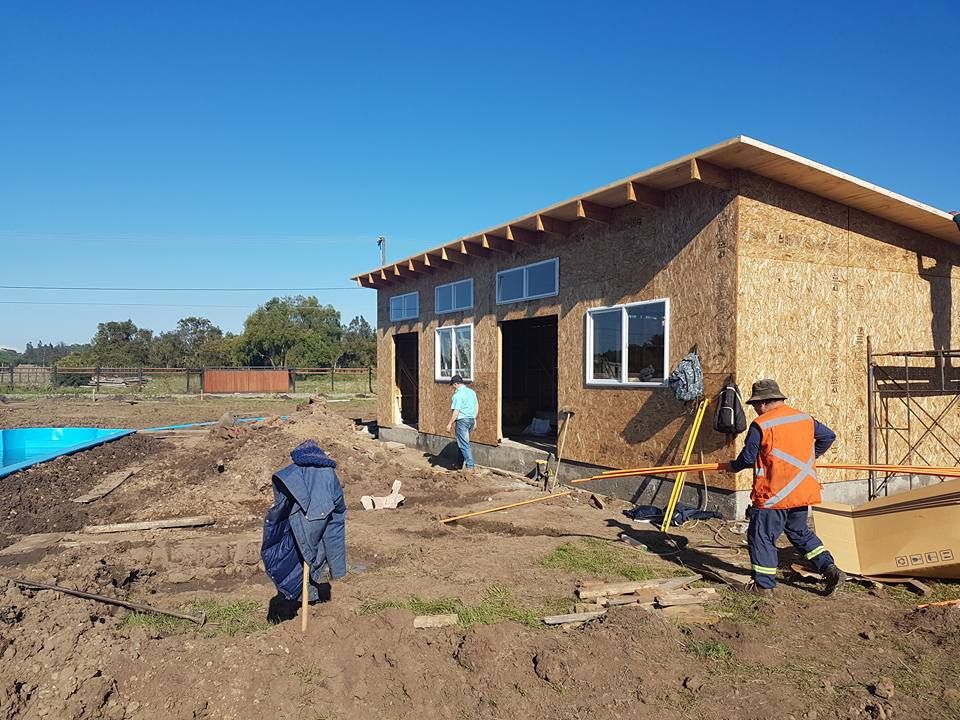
<point>178,289</point>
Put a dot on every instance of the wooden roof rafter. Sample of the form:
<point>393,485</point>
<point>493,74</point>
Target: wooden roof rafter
<point>713,166</point>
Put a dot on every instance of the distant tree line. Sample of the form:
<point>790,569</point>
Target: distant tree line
<point>283,332</point>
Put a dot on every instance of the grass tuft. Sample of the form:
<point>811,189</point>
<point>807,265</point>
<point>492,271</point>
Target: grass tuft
<point>708,649</point>
<point>497,604</point>
<point>600,558</point>
<point>242,617</point>
<point>745,609</point>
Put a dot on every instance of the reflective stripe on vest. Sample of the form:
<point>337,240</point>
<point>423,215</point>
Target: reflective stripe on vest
<point>799,417</point>
<point>804,470</point>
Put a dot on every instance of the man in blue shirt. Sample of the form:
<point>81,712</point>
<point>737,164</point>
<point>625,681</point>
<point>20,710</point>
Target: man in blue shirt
<point>464,408</point>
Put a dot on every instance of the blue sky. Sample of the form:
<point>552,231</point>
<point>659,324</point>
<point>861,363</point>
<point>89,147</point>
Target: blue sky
<point>266,145</point>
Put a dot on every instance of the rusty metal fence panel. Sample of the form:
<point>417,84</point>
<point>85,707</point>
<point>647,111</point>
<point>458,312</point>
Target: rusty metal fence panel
<point>246,380</point>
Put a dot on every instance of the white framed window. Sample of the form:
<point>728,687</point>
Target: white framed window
<point>528,282</point>
<point>628,344</point>
<point>454,296</point>
<point>454,352</point>
<point>405,307</point>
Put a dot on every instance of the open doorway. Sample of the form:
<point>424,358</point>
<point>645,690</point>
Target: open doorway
<point>528,412</point>
<point>407,377</point>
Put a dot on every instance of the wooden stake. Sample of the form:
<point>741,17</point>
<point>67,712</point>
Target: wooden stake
<point>305,597</point>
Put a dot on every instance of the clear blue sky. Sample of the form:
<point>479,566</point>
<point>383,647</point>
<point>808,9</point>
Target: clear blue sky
<point>252,144</point>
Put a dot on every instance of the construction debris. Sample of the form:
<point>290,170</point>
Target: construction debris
<point>669,596</point>
<point>107,485</point>
<point>198,521</point>
<point>573,617</point>
<point>385,502</point>
<point>435,621</point>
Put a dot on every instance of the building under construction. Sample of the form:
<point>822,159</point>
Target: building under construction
<point>765,263</point>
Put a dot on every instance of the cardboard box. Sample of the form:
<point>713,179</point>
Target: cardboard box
<point>914,534</point>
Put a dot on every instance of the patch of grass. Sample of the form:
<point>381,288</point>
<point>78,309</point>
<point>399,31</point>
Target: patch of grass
<point>242,617</point>
<point>600,558</point>
<point>745,609</point>
<point>306,674</point>
<point>708,649</point>
<point>497,604</point>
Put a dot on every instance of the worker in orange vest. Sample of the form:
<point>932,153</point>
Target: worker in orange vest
<point>781,447</point>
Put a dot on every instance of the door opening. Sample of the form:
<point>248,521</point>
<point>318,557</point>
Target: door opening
<point>407,377</point>
<point>529,380</point>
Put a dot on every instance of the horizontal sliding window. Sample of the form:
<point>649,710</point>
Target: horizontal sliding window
<point>628,344</point>
<point>404,307</point>
<point>454,352</point>
<point>528,282</point>
<point>454,296</point>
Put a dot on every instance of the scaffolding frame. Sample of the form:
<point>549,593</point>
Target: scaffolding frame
<point>902,382</point>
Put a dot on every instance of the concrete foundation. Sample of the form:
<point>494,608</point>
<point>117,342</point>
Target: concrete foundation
<point>519,458</point>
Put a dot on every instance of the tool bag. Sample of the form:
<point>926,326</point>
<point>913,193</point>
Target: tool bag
<point>730,417</point>
<point>687,380</point>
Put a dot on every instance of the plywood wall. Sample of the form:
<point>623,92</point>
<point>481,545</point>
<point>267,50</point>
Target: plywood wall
<point>684,252</point>
<point>817,278</point>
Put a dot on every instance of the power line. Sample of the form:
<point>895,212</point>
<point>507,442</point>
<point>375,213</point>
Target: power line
<point>171,289</point>
<point>158,305</point>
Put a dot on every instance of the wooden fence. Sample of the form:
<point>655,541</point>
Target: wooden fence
<point>175,381</point>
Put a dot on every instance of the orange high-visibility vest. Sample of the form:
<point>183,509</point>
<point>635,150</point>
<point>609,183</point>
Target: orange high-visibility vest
<point>784,476</point>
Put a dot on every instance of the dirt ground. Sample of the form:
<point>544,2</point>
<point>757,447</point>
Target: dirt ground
<point>860,654</point>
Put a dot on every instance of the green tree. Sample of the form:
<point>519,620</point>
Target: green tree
<point>297,324</point>
<point>121,344</point>
<point>194,333</point>
<point>220,352</point>
<point>358,344</point>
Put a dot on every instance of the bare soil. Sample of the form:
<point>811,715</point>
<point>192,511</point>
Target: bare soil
<point>859,654</point>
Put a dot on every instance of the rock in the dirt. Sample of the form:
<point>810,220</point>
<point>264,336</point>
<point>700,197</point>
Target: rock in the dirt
<point>868,634</point>
<point>882,688</point>
<point>394,446</point>
<point>550,668</point>
<point>693,684</point>
<point>227,420</point>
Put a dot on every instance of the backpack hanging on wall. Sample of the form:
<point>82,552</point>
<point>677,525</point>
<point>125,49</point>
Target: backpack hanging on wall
<point>687,380</point>
<point>730,417</point>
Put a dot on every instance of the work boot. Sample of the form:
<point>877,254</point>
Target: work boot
<point>835,578</point>
<point>751,588</point>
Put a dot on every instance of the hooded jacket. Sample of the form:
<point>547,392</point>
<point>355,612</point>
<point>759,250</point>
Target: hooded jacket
<point>307,522</point>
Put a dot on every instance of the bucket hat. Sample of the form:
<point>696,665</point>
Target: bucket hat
<point>764,390</point>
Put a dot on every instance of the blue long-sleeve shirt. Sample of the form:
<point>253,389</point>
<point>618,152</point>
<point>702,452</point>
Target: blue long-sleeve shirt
<point>823,438</point>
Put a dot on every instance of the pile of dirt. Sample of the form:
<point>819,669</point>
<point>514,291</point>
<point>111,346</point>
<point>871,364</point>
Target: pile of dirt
<point>939,625</point>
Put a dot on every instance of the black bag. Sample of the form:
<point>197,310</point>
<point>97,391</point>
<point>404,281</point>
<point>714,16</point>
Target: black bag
<point>730,417</point>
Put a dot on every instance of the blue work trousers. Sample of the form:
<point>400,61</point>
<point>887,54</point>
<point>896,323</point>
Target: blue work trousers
<point>765,528</point>
<point>463,428</point>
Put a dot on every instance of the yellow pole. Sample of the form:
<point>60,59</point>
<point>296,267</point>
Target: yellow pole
<point>687,453</point>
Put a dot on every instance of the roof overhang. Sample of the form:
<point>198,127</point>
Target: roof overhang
<point>710,166</point>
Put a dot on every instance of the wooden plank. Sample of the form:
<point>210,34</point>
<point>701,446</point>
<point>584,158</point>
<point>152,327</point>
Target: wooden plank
<point>694,597</point>
<point>914,584</point>
<point>435,621</point>
<point>690,614</point>
<point>474,248</point>
<point>197,521</point>
<point>107,485</point>
<point>587,591</point>
<point>573,617</point>
<point>588,607</point>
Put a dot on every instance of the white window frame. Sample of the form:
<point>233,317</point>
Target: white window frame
<point>453,285</point>
<point>624,340</point>
<point>526,296</point>
<point>436,352</point>
<point>402,317</point>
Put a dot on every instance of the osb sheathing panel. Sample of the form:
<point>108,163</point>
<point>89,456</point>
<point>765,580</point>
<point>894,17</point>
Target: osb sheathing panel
<point>817,278</point>
<point>684,252</point>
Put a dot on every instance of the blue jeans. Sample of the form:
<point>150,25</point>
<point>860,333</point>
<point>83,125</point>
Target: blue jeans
<point>463,428</point>
<point>766,526</point>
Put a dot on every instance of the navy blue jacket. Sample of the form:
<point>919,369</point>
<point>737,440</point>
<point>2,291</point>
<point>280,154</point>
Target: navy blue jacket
<point>307,522</point>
